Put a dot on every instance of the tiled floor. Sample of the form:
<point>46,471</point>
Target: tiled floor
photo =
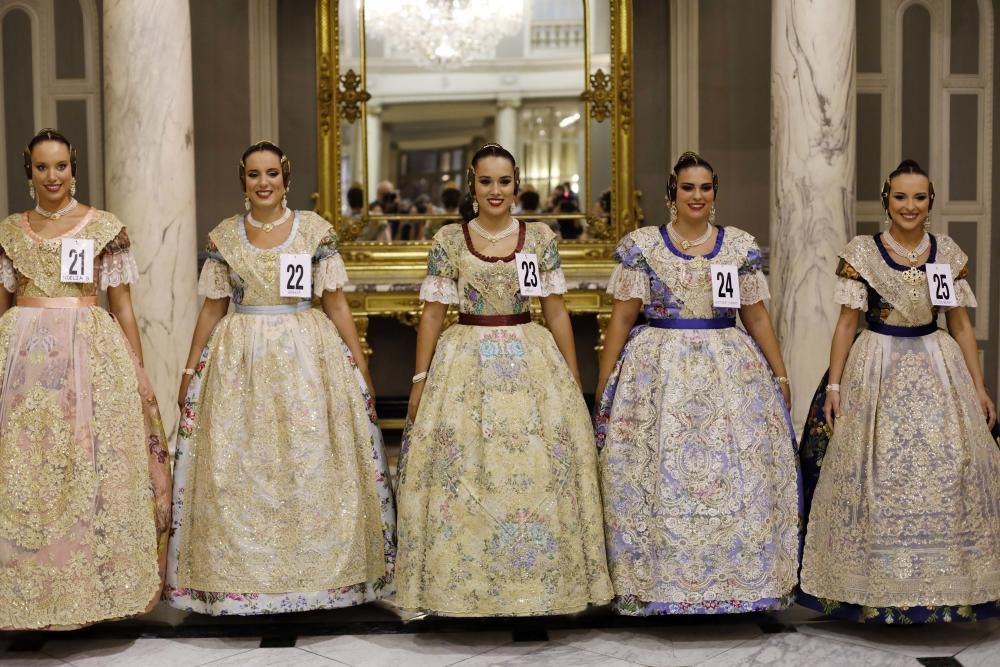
<point>795,637</point>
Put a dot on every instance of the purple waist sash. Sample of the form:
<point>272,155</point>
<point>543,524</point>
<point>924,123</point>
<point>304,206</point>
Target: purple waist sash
<point>710,323</point>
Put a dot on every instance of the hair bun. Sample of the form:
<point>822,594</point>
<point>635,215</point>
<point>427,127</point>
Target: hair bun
<point>909,164</point>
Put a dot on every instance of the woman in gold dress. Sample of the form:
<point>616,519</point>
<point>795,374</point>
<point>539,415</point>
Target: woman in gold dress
<point>282,499</point>
<point>499,504</point>
<point>904,525</point>
<point>85,500</point>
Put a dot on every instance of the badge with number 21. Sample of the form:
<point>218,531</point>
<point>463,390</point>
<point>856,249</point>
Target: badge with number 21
<point>77,261</point>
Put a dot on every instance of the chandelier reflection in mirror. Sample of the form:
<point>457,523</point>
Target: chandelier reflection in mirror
<point>445,34</point>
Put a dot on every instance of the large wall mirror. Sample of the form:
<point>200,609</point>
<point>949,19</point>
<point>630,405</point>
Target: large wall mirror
<point>409,89</point>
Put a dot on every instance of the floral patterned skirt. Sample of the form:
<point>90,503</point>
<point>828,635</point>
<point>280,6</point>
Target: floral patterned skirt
<point>83,471</point>
<point>282,499</point>
<point>699,476</point>
<point>499,504</point>
<point>904,500</point>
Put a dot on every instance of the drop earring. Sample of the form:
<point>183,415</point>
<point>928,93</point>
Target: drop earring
<point>475,206</point>
<point>246,202</point>
<point>927,221</point>
<point>711,215</point>
<point>72,188</point>
<point>673,213</point>
<point>31,190</point>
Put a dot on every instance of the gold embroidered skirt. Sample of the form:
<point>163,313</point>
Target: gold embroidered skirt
<point>81,447</point>
<point>499,503</point>
<point>907,508</point>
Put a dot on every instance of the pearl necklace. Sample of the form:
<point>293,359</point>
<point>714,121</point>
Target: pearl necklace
<point>683,242</point>
<point>269,226</point>
<point>914,276</point>
<point>493,238</point>
<point>55,215</point>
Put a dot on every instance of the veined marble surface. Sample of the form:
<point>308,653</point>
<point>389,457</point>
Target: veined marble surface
<point>812,176</point>
<point>149,176</point>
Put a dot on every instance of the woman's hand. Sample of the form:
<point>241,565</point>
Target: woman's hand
<point>183,391</point>
<point>988,408</point>
<point>368,381</point>
<point>831,408</point>
<point>416,391</point>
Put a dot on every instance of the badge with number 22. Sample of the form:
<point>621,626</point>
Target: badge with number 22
<point>296,275</point>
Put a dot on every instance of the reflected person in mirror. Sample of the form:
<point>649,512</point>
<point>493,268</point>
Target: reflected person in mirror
<point>499,507</point>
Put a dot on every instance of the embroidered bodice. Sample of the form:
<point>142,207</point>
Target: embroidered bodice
<point>248,275</point>
<point>480,285</point>
<point>869,280</point>
<point>30,264</point>
<point>674,285</point>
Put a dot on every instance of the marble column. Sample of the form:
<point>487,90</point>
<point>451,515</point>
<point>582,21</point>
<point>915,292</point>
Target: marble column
<point>812,179</point>
<point>149,176</point>
<point>505,124</point>
<point>373,130</point>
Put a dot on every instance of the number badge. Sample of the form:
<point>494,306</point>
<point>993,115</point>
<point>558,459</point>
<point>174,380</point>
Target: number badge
<point>941,285</point>
<point>77,261</point>
<point>725,286</point>
<point>527,273</point>
<point>296,276</point>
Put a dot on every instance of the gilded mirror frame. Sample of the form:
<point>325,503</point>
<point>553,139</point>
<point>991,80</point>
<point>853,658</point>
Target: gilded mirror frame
<point>607,97</point>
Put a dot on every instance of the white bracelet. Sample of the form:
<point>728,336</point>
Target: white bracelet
<point>419,377</point>
<point>188,371</point>
<point>833,387</point>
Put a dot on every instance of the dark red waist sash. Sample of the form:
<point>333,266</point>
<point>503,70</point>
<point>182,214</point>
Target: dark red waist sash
<point>493,320</point>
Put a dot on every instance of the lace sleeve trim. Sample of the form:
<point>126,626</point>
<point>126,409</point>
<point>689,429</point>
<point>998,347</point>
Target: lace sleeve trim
<point>7,274</point>
<point>851,293</point>
<point>964,294</point>
<point>439,289</point>
<point>329,274</point>
<point>214,280</point>
<point>628,283</point>
<point>118,268</point>
<point>553,282</point>
<point>753,288</point>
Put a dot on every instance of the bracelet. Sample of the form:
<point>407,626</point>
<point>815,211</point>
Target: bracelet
<point>188,371</point>
<point>833,387</point>
<point>419,377</point>
<point>781,379</point>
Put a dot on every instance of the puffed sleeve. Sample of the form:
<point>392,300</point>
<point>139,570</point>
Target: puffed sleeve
<point>214,280</point>
<point>7,274</point>
<point>550,266</point>
<point>441,284</point>
<point>629,279</point>
<point>850,291</point>
<point>753,282</point>
<point>329,272</point>
<point>118,265</point>
<point>964,295</point>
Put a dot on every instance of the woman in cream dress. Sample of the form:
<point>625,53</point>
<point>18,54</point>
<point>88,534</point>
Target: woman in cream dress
<point>282,499</point>
<point>84,476</point>
<point>499,506</point>
<point>904,525</point>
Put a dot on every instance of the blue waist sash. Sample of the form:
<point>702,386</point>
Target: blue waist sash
<point>711,323</point>
<point>279,309</point>
<point>903,332</point>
